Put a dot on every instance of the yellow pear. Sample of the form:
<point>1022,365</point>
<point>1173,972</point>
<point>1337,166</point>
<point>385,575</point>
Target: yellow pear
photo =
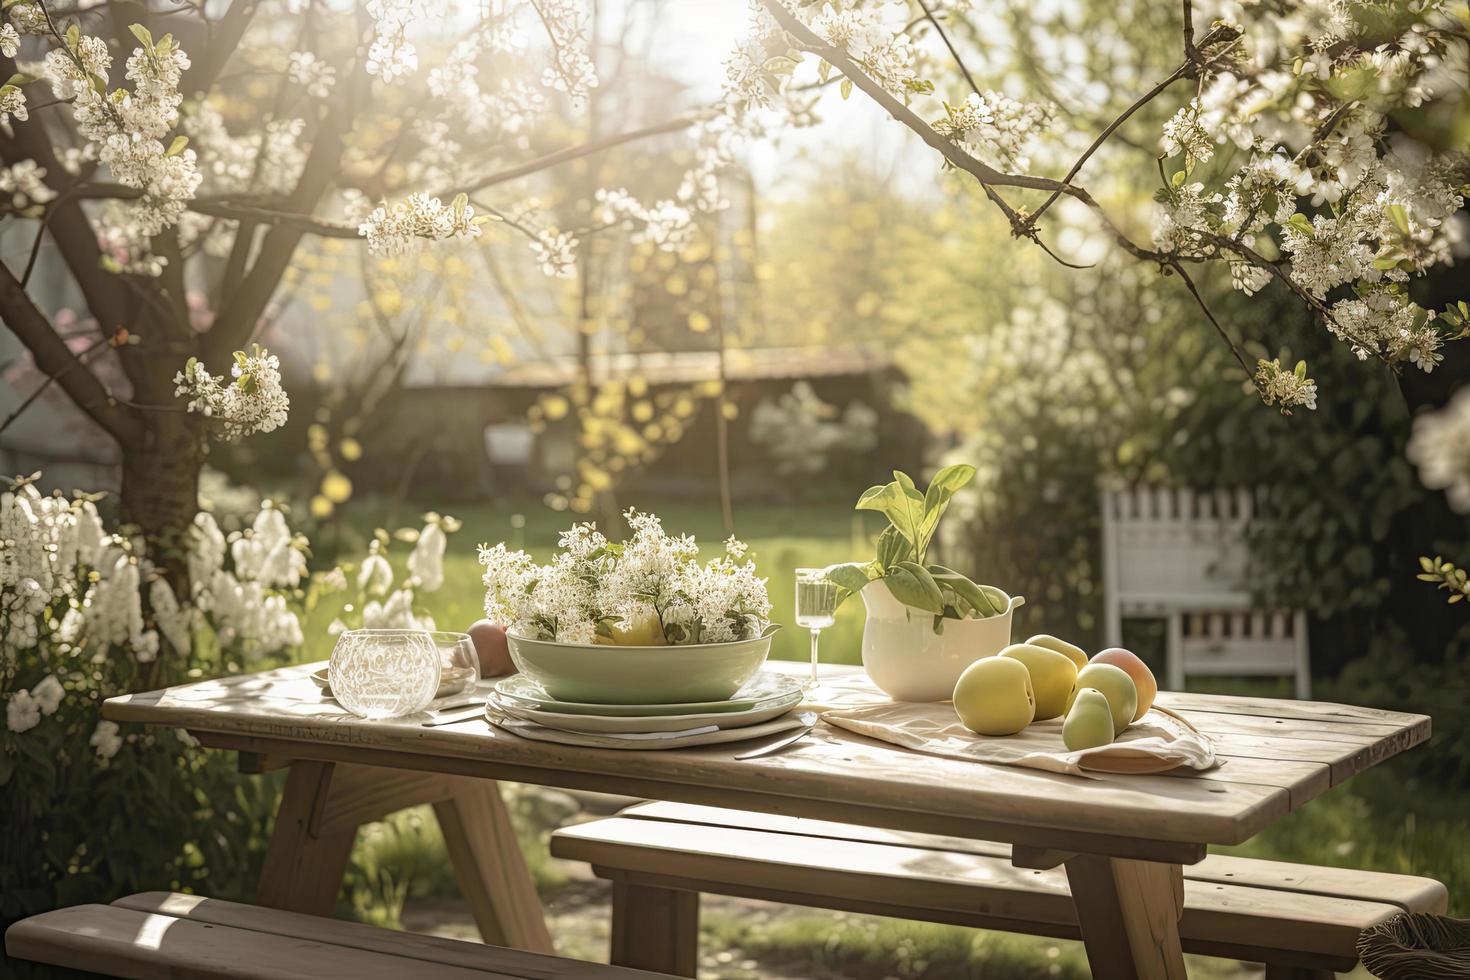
<point>994,697</point>
<point>1053,676</point>
<point>642,629</point>
<point>1089,721</point>
<point>1116,686</point>
<point>1073,652</point>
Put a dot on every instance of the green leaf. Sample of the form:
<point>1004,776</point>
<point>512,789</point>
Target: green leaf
<point>851,575</point>
<point>143,35</point>
<point>177,146</point>
<point>845,88</point>
<point>1399,217</point>
<point>910,590</point>
<point>18,79</point>
<point>903,508</point>
<point>893,548</point>
<point>962,586</point>
<point>946,483</point>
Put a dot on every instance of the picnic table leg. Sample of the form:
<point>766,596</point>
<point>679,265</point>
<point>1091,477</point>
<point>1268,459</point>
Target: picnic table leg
<point>324,803</point>
<point>491,870</point>
<point>1129,913</point>
<point>655,929</point>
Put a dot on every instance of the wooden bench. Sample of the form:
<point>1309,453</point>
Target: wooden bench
<point>1297,919</point>
<point>157,934</point>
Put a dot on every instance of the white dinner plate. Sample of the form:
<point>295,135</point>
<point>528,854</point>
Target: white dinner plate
<point>641,724</point>
<point>761,691</point>
<point>696,736</point>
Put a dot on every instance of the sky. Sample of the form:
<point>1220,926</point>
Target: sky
<point>692,40</point>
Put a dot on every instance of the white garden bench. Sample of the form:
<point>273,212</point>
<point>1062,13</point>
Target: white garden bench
<point>161,934</point>
<point>1297,919</point>
<point>1181,555</point>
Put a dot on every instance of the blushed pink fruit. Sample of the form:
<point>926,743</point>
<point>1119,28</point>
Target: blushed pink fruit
<point>489,640</point>
<point>1143,678</point>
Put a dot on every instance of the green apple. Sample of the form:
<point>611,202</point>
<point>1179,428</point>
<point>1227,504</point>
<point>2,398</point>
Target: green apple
<point>1052,677</point>
<point>1116,686</point>
<point>1073,652</point>
<point>1089,721</point>
<point>1143,678</point>
<point>994,697</point>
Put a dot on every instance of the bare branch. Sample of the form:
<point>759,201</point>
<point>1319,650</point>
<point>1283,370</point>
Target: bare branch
<point>46,384</point>
<point>572,153</point>
<point>54,358</point>
<point>1189,284</point>
<point>956,156</point>
<point>954,53</point>
<point>242,308</point>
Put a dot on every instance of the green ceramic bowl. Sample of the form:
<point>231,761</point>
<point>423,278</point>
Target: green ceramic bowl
<point>596,674</point>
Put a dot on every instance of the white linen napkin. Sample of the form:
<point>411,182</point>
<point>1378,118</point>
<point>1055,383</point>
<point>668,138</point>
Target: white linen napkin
<point>1159,741</point>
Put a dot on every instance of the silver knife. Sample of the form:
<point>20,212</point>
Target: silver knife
<point>455,717</point>
<point>808,719</point>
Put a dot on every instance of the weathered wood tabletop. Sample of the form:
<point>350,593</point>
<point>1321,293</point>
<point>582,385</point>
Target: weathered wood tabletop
<point>1122,837</point>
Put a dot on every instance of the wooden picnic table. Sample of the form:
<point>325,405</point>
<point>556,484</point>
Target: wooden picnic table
<point>1122,838</point>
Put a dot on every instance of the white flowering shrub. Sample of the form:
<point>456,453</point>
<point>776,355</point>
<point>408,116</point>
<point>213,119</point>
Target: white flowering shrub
<point>649,589</point>
<point>805,434</point>
<point>85,614</point>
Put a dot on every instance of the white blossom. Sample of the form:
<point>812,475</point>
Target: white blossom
<point>105,739</point>
<point>567,25</point>
<point>394,229</point>
<point>1185,134</point>
<point>311,73</point>
<point>557,252</point>
<point>1440,447</point>
<point>9,40</point>
<point>665,224</point>
<point>23,182</point>
<point>375,577</point>
<point>870,36</point>
<point>48,694</point>
<point>593,586</point>
<point>253,401</point>
<point>994,127</point>
<point>1285,389</point>
<point>22,712</point>
<point>391,56</point>
<point>426,561</point>
<point>128,126</point>
<point>12,104</point>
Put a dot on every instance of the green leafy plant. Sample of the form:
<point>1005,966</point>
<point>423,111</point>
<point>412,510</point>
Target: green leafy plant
<point>903,547</point>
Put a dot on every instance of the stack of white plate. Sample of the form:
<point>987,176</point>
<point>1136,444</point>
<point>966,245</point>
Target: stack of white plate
<point>762,707</point>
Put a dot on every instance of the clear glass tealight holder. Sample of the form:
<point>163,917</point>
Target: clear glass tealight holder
<point>379,674</point>
<point>459,664</point>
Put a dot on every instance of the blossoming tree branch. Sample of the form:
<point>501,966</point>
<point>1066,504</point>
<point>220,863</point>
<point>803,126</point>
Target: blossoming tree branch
<point>1287,160</point>
<point>175,160</point>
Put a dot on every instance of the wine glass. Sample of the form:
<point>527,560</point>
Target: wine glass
<point>816,609</point>
<point>459,664</point>
<point>379,674</point>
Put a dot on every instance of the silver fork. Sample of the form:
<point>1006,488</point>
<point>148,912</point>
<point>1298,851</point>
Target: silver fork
<point>808,720</point>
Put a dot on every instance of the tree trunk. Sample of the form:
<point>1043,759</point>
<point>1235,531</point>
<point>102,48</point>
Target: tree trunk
<point>160,490</point>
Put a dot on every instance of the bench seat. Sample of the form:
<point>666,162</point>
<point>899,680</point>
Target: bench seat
<point>1287,915</point>
<point>157,934</point>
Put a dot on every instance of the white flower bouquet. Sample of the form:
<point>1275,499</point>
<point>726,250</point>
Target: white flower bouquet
<point>650,590</point>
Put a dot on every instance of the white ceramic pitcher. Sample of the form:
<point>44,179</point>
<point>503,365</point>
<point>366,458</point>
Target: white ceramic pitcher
<point>909,661</point>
